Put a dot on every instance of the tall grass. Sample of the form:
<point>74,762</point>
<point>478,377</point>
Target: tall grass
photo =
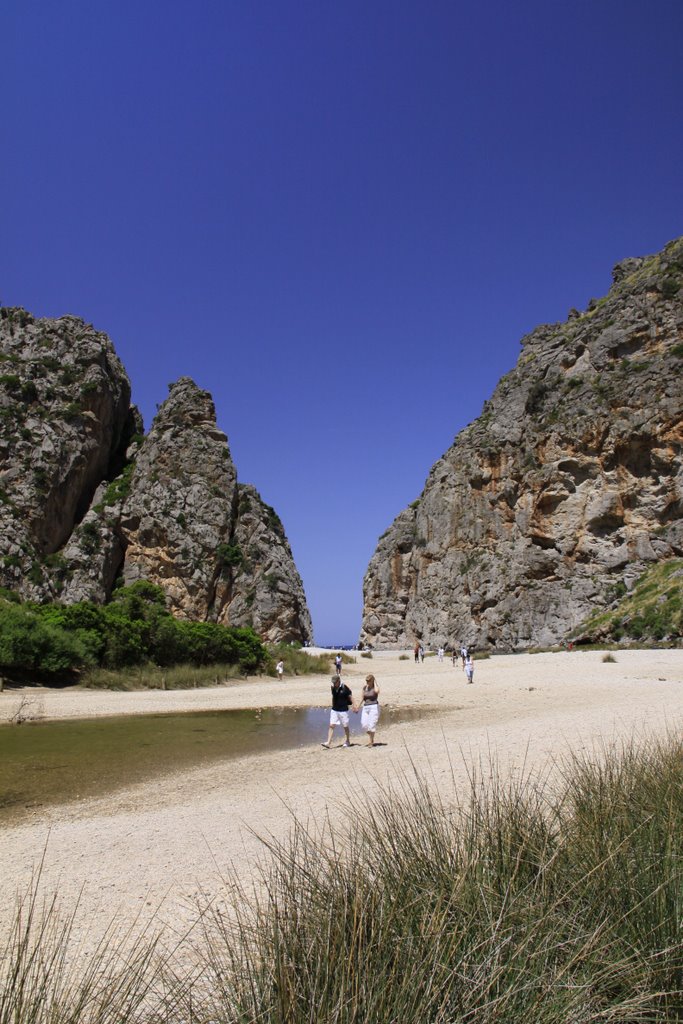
<point>514,904</point>
<point>298,662</point>
<point>183,677</point>
<point>155,677</point>
<point>42,981</point>
<point>508,908</point>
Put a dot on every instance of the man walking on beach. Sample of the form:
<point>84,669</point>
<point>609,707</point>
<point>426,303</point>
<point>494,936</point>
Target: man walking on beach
<point>469,668</point>
<point>339,715</point>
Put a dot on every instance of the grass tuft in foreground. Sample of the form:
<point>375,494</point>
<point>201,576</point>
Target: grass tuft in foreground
<point>44,981</point>
<point>507,908</point>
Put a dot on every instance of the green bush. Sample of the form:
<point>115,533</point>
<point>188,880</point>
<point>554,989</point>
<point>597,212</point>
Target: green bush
<point>670,287</point>
<point>28,642</point>
<point>133,629</point>
<point>229,556</point>
<point>119,489</point>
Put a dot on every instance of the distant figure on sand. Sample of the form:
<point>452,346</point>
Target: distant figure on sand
<point>417,653</point>
<point>439,654</point>
<point>280,669</point>
<point>370,713</point>
<point>342,700</point>
<point>338,664</point>
<point>422,653</point>
<point>469,668</point>
<point>463,655</point>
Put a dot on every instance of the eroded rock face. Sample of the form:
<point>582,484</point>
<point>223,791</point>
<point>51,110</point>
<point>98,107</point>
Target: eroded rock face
<point>85,499</point>
<point>218,551</point>
<point>181,504</point>
<point>264,589</point>
<point>65,421</point>
<point>569,483</point>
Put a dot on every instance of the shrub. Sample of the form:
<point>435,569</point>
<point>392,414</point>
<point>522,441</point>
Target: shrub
<point>72,411</point>
<point>670,287</point>
<point>119,489</point>
<point>27,642</point>
<point>609,658</point>
<point>134,628</point>
<point>90,537</point>
<point>229,556</point>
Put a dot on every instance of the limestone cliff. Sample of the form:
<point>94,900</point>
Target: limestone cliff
<point>86,500</point>
<point>65,422</point>
<point>561,493</point>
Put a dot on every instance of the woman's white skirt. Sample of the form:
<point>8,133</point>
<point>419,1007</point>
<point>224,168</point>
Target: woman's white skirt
<point>369,717</point>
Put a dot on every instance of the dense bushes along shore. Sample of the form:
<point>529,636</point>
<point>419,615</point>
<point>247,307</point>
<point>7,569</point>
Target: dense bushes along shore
<point>56,640</point>
<point>518,904</point>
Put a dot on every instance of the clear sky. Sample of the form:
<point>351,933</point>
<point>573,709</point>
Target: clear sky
<point>338,217</point>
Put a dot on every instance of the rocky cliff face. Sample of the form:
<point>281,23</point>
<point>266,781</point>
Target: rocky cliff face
<point>65,422</point>
<point>564,490</point>
<point>87,500</point>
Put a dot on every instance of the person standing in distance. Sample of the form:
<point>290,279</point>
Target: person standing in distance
<point>338,664</point>
<point>469,668</point>
<point>280,669</point>
<point>339,715</point>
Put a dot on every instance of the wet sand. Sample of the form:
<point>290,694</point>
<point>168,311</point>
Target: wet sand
<point>153,849</point>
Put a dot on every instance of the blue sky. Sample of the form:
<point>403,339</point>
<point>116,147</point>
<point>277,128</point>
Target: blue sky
<point>339,218</point>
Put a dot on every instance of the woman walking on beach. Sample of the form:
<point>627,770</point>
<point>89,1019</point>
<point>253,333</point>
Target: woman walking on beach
<point>469,668</point>
<point>370,704</point>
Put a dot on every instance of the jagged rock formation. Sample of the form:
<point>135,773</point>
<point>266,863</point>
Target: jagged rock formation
<point>562,492</point>
<point>65,422</point>
<point>87,500</point>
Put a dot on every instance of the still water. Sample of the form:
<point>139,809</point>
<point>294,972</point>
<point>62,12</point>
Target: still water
<point>45,763</point>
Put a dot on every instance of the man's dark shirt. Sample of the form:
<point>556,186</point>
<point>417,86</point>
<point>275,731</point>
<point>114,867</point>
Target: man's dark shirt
<point>341,697</point>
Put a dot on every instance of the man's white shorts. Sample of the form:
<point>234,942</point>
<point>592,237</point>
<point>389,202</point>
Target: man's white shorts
<point>339,718</point>
<point>369,717</point>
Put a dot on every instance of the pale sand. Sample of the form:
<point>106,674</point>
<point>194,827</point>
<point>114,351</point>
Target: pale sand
<point>169,841</point>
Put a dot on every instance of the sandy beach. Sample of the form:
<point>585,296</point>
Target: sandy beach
<point>153,849</point>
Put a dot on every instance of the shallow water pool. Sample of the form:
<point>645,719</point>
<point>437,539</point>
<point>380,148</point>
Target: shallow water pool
<point>44,763</point>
